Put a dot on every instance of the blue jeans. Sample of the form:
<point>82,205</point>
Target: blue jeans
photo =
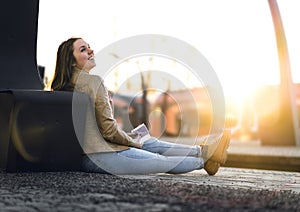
<point>155,157</point>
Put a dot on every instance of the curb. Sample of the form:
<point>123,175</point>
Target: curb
<point>268,162</point>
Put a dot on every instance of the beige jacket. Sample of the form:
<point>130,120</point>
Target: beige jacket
<point>102,131</point>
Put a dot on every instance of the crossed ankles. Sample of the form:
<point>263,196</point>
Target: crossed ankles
<point>216,153</point>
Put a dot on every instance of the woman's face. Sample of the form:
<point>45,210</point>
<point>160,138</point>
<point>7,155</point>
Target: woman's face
<point>84,55</point>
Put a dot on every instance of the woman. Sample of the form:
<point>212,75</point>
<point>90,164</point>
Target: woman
<point>120,152</point>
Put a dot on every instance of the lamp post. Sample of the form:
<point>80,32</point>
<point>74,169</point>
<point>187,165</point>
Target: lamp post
<point>286,130</point>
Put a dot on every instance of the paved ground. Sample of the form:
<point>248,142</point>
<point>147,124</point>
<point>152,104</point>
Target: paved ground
<point>230,190</point>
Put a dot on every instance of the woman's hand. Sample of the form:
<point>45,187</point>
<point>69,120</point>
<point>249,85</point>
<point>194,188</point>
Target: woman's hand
<point>136,140</point>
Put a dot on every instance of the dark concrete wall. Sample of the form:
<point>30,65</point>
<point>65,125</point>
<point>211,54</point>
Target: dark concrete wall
<point>18,23</point>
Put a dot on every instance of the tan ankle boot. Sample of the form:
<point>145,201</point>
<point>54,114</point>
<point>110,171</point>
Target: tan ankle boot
<point>220,155</point>
<point>217,150</point>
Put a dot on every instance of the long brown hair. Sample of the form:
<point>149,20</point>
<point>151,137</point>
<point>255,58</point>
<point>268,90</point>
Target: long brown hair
<point>65,61</point>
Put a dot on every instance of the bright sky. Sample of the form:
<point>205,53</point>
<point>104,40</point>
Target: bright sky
<point>236,36</point>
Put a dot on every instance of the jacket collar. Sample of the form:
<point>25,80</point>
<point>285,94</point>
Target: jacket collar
<point>81,71</point>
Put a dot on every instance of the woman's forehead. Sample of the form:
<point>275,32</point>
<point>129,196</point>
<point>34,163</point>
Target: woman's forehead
<point>80,42</point>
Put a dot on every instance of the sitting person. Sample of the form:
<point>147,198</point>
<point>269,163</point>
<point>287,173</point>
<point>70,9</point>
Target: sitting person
<point>120,152</point>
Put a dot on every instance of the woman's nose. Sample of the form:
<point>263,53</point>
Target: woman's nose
<point>91,51</point>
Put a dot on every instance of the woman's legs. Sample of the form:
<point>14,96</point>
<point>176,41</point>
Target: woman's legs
<point>138,161</point>
<point>171,149</point>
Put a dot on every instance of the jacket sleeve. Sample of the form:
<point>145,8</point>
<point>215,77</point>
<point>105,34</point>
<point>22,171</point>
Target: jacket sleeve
<point>107,125</point>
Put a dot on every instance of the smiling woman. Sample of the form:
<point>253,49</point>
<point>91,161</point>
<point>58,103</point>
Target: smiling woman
<point>82,57</point>
<point>109,149</point>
